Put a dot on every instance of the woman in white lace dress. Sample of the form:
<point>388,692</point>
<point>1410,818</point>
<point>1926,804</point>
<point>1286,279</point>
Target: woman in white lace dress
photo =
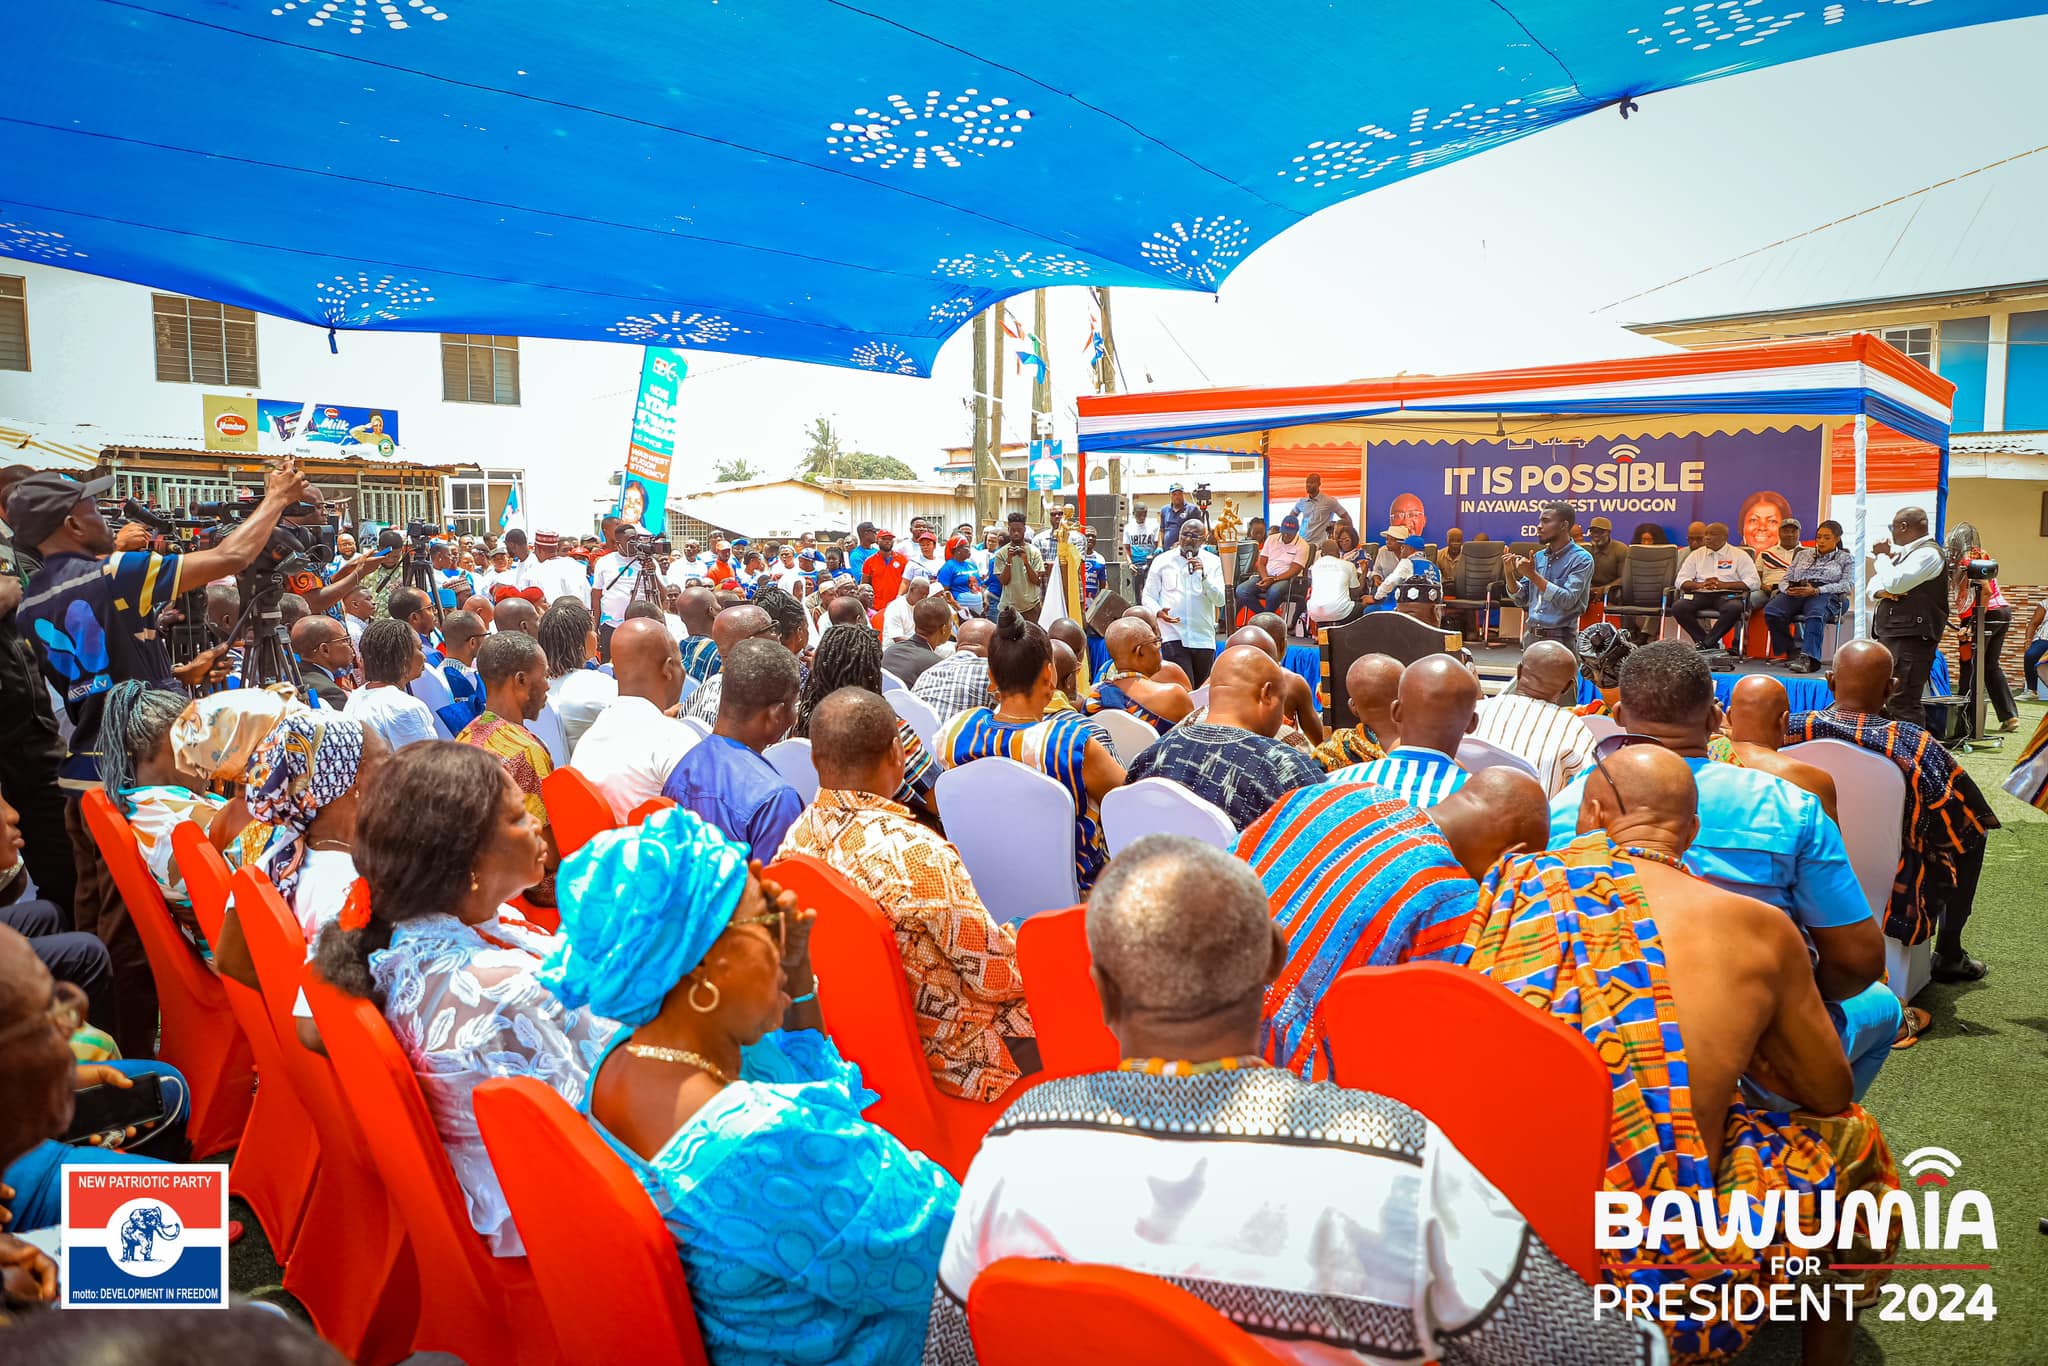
<point>443,840</point>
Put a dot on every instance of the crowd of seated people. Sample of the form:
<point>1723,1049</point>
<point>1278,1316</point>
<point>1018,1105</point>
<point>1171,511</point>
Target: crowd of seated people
<point>1680,896</point>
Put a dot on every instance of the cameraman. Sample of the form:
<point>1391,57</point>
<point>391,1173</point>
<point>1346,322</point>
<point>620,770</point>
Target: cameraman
<point>614,576</point>
<point>92,614</point>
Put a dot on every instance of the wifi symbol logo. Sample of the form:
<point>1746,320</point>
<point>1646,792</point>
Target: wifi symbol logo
<point>1932,1166</point>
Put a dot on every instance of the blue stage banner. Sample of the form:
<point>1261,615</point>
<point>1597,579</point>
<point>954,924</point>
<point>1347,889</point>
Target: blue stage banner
<point>1750,480</point>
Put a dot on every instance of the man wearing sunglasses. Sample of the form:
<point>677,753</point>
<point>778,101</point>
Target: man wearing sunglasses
<point>1759,836</point>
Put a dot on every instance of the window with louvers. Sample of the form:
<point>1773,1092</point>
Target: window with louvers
<point>202,342</point>
<point>479,369</point>
<point>13,323</point>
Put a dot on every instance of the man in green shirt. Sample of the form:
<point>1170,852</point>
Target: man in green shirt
<point>1020,569</point>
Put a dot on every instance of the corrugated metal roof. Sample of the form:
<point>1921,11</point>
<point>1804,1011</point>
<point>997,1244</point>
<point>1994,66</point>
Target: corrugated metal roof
<point>1978,230</point>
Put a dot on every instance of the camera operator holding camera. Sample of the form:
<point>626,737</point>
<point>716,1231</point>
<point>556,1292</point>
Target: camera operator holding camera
<point>615,577</point>
<point>91,611</point>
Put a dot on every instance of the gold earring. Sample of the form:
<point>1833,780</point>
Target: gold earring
<point>704,982</point>
<point>473,883</point>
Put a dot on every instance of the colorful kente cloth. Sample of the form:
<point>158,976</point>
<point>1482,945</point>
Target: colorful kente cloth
<point>1571,933</point>
<point>1357,878</point>
<point>1055,747</point>
<point>1945,812</point>
<point>1722,751</point>
<point>1352,745</point>
<point>524,757</point>
<point>1111,696</point>
<point>2029,777</point>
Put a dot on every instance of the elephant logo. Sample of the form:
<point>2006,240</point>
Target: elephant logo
<point>140,1230</point>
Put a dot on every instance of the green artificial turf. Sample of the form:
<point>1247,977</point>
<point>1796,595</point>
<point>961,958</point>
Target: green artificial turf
<point>1977,1084</point>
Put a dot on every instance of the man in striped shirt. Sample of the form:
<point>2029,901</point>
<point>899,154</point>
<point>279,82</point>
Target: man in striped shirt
<point>1535,719</point>
<point>1435,709</point>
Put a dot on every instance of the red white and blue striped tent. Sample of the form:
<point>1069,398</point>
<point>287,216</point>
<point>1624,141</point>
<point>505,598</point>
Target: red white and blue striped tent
<point>1885,418</point>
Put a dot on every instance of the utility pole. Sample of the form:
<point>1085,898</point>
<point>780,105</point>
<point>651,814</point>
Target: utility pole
<point>996,336</point>
<point>1041,393</point>
<point>1105,383</point>
<point>983,494</point>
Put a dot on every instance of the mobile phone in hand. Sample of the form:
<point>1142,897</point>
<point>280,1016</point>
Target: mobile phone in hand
<point>97,1109</point>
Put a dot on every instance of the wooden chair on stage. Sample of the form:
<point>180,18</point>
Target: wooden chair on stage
<point>1385,633</point>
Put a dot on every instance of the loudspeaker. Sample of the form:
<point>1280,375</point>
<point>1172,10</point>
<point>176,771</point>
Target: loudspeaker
<point>1109,605</point>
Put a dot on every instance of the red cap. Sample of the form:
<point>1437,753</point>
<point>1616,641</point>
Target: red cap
<point>956,543</point>
<point>879,534</point>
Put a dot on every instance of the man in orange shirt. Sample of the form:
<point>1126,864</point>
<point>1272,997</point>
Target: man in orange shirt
<point>884,570</point>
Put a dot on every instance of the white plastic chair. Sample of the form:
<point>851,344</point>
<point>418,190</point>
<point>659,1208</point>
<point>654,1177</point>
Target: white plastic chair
<point>892,684</point>
<point>1128,736</point>
<point>1014,828</point>
<point>1476,756</point>
<point>792,759</point>
<point>1870,798</point>
<point>922,718</point>
<point>1160,806</point>
<point>1200,697</point>
<point>1601,726</point>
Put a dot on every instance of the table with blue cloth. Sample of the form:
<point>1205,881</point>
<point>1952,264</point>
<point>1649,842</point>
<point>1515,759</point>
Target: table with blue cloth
<point>1808,692</point>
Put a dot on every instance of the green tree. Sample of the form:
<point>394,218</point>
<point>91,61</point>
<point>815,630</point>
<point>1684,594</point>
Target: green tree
<point>861,465</point>
<point>827,459</point>
<point>734,471</point>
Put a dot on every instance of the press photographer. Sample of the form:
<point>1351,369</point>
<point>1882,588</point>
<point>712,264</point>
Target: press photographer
<point>91,612</point>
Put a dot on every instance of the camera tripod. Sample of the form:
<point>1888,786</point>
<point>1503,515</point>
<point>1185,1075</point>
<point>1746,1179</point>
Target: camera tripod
<point>415,570</point>
<point>268,657</point>
<point>646,584</point>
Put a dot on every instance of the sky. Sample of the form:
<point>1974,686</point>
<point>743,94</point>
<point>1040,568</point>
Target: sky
<point>1497,260</point>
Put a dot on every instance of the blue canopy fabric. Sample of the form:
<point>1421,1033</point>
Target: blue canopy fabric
<point>806,179</point>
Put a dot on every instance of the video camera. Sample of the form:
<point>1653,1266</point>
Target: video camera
<point>1980,569</point>
<point>641,545</point>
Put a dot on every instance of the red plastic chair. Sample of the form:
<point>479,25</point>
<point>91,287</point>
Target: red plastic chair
<point>480,1307</point>
<point>1026,1312</point>
<point>640,813</point>
<point>577,811</point>
<point>275,1161</point>
<point>200,1037</point>
<point>570,1193</point>
<point>355,1274</point>
<point>1486,1055</point>
<point>1052,953</point>
<point>865,996</point>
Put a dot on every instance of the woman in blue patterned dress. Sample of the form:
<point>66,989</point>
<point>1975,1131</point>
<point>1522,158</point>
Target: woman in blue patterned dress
<point>1063,746</point>
<point>807,1234</point>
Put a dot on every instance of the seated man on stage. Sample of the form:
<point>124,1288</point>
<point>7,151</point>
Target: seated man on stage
<point>1684,989</point>
<point>1947,819</point>
<point>1762,837</point>
<point>1129,685</point>
<point>1756,728</point>
<point>1813,592</point>
<point>1283,558</point>
<point>1716,580</point>
<point>1376,1240</point>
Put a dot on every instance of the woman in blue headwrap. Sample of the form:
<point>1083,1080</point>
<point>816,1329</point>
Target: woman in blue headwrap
<point>806,1233</point>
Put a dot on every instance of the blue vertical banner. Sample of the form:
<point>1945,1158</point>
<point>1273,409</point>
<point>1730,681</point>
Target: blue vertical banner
<point>1045,467</point>
<point>643,484</point>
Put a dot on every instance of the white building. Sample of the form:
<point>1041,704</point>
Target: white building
<point>782,509</point>
<point>93,368</point>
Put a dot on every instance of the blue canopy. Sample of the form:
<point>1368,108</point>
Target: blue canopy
<point>804,179</point>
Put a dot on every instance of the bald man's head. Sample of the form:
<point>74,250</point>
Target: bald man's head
<point>1438,703</point>
<point>35,1086</point>
<point>1064,665</point>
<point>1549,672</point>
<point>1497,811</point>
<point>1861,676</point>
<point>1245,691</point>
<point>516,616</point>
<point>736,624</point>
<point>1275,629</point>
<point>1133,645</point>
<point>1140,614</point>
<point>646,662</point>
<point>1639,791</point>
<point>1069,631</point>
<point>1182,939</point>
<point>698,607</point>
<point>1371,684</point>
<point>973,636</point>
<point>1255,638</point>
<point>1757,710</point>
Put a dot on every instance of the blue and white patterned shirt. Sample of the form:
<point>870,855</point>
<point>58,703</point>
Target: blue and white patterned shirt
<point>1418,776</point>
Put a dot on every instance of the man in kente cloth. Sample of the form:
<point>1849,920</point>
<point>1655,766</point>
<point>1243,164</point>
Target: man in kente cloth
<point>1690,995</point>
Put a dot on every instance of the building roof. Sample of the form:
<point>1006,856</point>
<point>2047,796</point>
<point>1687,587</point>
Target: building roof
<point>58,445</point>
<point>1976,231</point>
